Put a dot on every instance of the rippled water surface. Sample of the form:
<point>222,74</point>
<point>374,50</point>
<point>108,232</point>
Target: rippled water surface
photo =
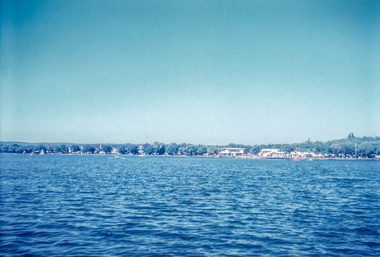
<point>156,206</point>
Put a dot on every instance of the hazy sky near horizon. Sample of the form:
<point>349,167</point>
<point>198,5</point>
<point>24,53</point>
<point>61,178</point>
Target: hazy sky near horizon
<point>210,72</point>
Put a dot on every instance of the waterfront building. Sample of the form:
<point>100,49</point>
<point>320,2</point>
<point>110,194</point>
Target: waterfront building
<point>232,151</point>
<point>271,153</point>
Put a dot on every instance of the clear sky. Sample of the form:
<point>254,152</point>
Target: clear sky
<point>201,72</point>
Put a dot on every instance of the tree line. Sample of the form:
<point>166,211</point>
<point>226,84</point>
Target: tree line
<point>134,149</point>
<point>349,146</point>
<point>361,146</point>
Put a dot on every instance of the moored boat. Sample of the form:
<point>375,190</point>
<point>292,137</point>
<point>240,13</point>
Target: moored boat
<point>116,157</point>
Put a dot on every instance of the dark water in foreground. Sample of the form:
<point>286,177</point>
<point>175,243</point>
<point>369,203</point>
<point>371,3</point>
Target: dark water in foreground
<point>153,206</point>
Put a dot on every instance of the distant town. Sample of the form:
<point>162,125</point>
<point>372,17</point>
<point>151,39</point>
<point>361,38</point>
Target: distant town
<point>348,148</point>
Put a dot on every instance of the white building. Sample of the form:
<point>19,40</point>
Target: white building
<point>232,151</point>
<point>272,153</point>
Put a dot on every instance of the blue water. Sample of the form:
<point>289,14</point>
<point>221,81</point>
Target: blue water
<point>161,206</point>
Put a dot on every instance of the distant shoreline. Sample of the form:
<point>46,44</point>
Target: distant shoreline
<point>197,156</point>
<point>349,148</point>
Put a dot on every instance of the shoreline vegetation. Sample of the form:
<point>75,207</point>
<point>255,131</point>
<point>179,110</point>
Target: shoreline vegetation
<point>350,148</point>
<point>111,156</point>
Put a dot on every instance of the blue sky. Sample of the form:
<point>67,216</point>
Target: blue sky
<point>201,72</point>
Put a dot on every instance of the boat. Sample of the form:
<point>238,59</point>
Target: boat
<point>310,159</point>
<point>296,159</point>
<point>116,157</point>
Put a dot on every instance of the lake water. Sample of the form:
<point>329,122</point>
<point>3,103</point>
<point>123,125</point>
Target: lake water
<point>155,206</point>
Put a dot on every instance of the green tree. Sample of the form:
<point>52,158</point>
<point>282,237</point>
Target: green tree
<point>188,150</point>
<point>57,150</point>
<point>88,149</point>
<point>64,148</point>
<point>4,149</point>
<point>131,149</point>
<point>29,148</point>
<point>287,148</point>
<point>212,150</point>
<point>106,148</point>
<point>49,149</point>
<point>343,148</point>
<point>120,149</point>
<point>20,149</point>
<point>12,148</point>
<point>148,149</point>
<point>39,148</point>
<point>255,149</point>
<point>172,149</point>
<point>367,149</point>
<point>201,150</point>
<point>75,148</point>
<point>61,149</point>
<point>159,148</point>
